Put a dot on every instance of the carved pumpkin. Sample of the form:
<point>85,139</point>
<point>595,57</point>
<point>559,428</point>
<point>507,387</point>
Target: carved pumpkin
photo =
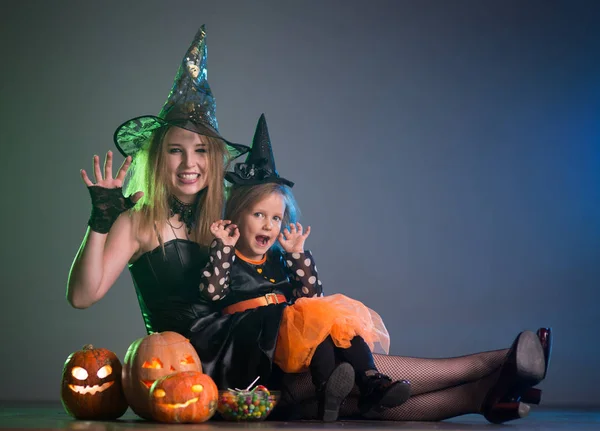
<point>185,397</point>
<point>150,358</point>
<point>91,385</point>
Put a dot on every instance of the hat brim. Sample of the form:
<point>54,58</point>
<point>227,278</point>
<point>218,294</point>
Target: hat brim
<point>133,135</point>
<point>234,178</point>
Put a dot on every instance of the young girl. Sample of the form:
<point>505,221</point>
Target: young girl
<point>258,327</point>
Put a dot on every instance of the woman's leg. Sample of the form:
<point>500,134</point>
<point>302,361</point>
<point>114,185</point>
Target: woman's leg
<point>449,387</point>
<point>377,391</point>
<point>428,375</point>
<point>522,367</point>
<point>438,405</point>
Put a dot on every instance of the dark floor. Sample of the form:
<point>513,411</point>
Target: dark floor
<point>51,416</point>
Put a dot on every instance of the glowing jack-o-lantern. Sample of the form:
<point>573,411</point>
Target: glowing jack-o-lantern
<point>185,397</point>
<point>150,358</point>
<point>91,385</point>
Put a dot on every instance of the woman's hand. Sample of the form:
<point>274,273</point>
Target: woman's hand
<point>226,232</point>
<point>107,194</point>
<point>292,238</point>
<point>107,181</point>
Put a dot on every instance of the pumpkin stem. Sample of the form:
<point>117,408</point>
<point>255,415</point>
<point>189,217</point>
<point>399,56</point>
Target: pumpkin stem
<point>88,347</point>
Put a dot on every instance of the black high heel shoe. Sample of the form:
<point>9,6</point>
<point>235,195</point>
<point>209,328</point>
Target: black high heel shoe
<point>523,368</point>
<point>534,395</point>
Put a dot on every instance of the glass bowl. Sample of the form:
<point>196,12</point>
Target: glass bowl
<point>253,405</point>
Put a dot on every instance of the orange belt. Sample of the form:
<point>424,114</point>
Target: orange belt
<point>268,299</point>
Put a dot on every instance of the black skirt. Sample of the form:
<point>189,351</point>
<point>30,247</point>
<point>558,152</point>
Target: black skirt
<point>237,348</point>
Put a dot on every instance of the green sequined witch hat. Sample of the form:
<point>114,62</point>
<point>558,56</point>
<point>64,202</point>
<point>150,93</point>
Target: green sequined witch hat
<point>259,167</point>
<point>190,105</point>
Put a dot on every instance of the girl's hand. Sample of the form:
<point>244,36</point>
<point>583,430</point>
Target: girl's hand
<point>292,239</point>
<point>226,232</point>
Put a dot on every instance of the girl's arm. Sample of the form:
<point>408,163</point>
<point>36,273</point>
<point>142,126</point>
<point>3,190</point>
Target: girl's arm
<point>303,274</point>
<point>299,262</point>
<point>214,283</point>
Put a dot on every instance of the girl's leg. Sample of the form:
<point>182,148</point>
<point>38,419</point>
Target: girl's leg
<point>322,363</point>
<point>332,382</point>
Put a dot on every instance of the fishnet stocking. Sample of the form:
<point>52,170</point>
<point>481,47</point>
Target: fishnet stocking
<point>441,388</point>
<point>428,375</point>
<point>438,405</point>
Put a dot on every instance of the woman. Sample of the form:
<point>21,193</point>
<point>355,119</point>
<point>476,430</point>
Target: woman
<point>176,189</point>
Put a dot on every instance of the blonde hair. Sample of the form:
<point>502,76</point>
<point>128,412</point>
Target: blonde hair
<point>242,198</point>
<point>148,173</point>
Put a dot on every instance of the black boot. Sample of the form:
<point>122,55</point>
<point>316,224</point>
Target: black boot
<point>378,393</point>
<point>334,391</point>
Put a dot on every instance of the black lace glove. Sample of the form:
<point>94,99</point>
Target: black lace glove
<point>107,204</point>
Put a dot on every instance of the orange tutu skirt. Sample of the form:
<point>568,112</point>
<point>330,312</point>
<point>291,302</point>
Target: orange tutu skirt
<point>307,322</point>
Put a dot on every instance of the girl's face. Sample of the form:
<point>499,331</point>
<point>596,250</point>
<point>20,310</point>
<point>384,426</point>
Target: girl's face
<point>260,226</point>
<point>186,158</point>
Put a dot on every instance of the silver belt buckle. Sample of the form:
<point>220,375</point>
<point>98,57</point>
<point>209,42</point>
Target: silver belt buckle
<point>271,298</point>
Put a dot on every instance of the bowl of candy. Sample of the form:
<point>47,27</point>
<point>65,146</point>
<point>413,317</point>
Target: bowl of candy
<point>247,405</point>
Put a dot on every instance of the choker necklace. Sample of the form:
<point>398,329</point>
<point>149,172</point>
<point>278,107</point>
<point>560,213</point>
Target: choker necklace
<point>187,212</point>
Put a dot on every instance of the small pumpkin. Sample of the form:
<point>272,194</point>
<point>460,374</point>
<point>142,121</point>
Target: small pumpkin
<point>151,357</point>
<point>91,385</point>
<point>184,397</point>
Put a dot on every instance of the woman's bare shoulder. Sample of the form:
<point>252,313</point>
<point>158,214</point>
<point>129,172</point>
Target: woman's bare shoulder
<point>145,237</point>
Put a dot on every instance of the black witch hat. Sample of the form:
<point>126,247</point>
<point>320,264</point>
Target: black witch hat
<point>190,105</point>
<point>259,167</point>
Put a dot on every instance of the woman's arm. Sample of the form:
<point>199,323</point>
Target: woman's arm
<point>109,241</point>
<point>99,261</point>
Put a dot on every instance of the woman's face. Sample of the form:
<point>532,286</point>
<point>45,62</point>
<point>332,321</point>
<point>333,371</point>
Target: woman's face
<point>186,158</point>
<point>260,226</point>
